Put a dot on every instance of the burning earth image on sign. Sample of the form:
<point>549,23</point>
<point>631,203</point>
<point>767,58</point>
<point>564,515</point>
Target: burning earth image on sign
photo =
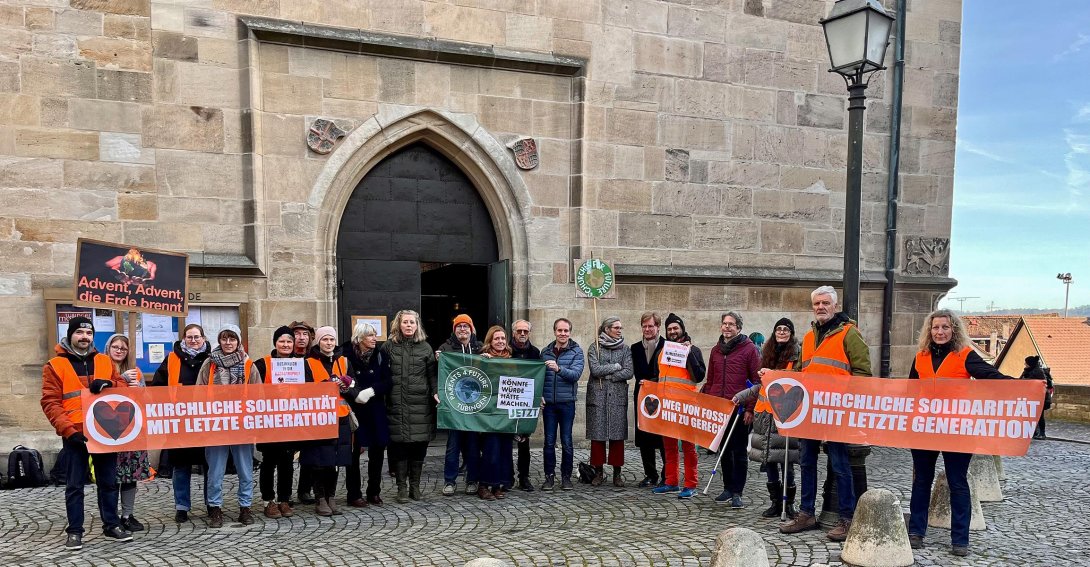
<point>132,267</point>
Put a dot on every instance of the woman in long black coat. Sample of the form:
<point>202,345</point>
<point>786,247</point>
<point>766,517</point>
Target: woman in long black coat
<point>323,456</point>
<point>372,382</point>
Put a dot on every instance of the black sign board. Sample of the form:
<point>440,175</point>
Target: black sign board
<point>130,278</point>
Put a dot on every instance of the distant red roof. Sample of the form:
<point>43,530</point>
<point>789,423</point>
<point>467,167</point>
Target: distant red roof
<point>982,326</point>
<point>1064,346</point>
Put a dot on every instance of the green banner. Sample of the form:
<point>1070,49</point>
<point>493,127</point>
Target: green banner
<point>498,395</point>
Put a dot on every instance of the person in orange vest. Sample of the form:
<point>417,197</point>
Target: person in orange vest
<point>686,378</point>
<point>78,366</point>
<point>833,345</point>
<point>304,338</point>
<point>945,352</point>
<point>229,365</point>
<point>322,457</point>
<point>180,368</point>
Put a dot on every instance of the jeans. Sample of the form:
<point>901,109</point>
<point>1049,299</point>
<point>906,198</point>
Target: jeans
<point>957,469</point>
<point>181,478</point>
<point>375,455</point>
<point>243,456</point>
<point>772,469</point>
<point>838,456</point>
<point>108,490</point>
<point>496,462</point>
<point>559,415</point>
<point>466,444</point>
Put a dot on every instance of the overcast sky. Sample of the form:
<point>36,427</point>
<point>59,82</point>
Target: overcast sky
<point>1022,179</point>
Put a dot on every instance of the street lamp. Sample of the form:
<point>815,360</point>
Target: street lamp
<point>857,33</point>
<point>1066,279</point>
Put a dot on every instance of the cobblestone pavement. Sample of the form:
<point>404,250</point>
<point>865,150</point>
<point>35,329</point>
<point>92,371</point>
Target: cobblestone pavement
<point>1038,524</point>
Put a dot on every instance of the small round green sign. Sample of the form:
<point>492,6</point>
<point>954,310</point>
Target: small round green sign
<point>594,278</point>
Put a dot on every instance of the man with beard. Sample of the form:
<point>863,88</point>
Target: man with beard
<point>77,365</point>
<point>522,348</point>
<point>303,333</point>
<point>645,366</point>
<point>832,346</point>
<point>733,362</point>
<point>686,378</point>
<point>462,339</point>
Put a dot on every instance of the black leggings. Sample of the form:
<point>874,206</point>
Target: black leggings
<point>277,459</point>
<point>375,457</point>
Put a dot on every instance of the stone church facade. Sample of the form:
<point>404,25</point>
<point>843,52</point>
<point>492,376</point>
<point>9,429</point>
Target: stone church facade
<point>699,146</point>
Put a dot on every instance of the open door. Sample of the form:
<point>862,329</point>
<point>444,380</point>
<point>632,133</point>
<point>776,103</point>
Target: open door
<point>499,294</point>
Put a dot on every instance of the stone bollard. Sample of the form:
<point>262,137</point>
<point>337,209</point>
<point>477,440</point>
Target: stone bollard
<point>999,468</point>
<point>739,547</point>
<point>487,562</point>
<point>938,515</point>
<point>878,536</point>
<point>984,479</point>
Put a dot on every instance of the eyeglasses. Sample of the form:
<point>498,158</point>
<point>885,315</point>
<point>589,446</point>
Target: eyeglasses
<point>194,338</point>
<point>782,329</point>
<point>119,348</point>
<point>522,332</point>
<point>725,324</point>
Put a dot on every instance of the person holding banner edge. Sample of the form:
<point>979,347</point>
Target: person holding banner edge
<point>686,378</point>
<point>833,345</point>
<point>610,364</point>
<point>645,366</point>
<point>410,407</point>
<point>229,365</point>
<point>522,348</point>
<point>132,466</point>
<point>467,444</point>
<point>495,447</point>
<point>563,366</point>
<point>945,352</point>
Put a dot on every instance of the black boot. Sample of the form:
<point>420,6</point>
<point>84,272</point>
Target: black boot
<point>415,468</point>
<point>401,473</point>
<point>775,494</point>
<point>791,512</point>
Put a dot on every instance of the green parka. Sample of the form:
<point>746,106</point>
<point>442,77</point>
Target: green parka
<point>410,406</point>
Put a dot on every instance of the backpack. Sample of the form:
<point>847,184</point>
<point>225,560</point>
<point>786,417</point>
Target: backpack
<point>25,468</point>
<point>586,472</point>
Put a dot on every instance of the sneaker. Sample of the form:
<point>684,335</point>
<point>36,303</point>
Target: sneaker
<point>272,510</point>
<point>117,533</point>
<point>648,482</point>
<point>131,524</point>
<point>666,489</point>
<point>74,542</point>
<point>471,487</point>
<point>804,521</point>
<point>565,484</point>
<point>448,490</point>
<point>960,550</point>
<point>286,510</point>
<point>550,481</point>
<point>525,486</point>
<point>915,541</point>
<point>736,502</point>
<point>840,531</point>
<point>215,517</point>
<point>245,516</point>
<point>686,493</point>
<point>724,497</point>
<point>181,516</point>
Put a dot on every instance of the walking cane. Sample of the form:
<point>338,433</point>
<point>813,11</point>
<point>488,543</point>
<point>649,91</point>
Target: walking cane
<point>786,452</point>
<point>722,448</point>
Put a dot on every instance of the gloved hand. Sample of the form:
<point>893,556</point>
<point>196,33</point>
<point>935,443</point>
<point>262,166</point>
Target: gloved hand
<point>365,395</point>
<point>77,438</point>
<point>99,385</point>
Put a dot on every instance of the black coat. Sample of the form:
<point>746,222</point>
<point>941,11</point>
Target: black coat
<point>642,370</point>
<point>187,376</point>
<point>374,429</point>
<point>259,364</point>
<point>335,451</point>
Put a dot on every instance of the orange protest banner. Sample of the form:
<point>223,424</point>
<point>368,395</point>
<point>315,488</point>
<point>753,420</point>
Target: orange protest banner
<point>992,417</point>
<point>130,419</point>
<point>682,414</point>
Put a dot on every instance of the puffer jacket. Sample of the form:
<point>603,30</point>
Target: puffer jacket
<point>766,443</point>
<point>562,386</point>
<point>410,406</point>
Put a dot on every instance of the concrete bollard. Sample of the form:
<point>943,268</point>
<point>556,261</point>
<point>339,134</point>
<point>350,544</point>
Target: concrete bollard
<point>487,562</point>
<point>739,547</point>
<point>878,536</point>
<point>999,468</point>
<point>938,515</point>
<point>984,479</point>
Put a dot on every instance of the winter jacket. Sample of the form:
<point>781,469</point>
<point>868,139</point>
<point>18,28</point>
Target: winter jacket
<point>644,370</point>
<point>187,376</point>
<point>607,392</point>
<point>335,451</point>
<point>766,443</point>
<point>727,374</point>
<point>374,430</point>
<point>854,346</point>
<point>528,352</point>
<point>410,406</point>
<point>563,385</point>
<point>452,344</point>
<point>53,387</point>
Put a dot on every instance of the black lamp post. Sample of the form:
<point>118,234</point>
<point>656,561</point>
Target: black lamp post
<point>857,33</point>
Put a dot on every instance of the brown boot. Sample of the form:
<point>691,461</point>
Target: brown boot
<point>801,523</point>
<point>485,494</point>
<point>333,506</point>
<point>617,480</point>
<point>840,532</point>
<point>272,510</point>
<point>321,506</point>
<point>599,477</point>
<point>215,517</point>
<point>245,516</point>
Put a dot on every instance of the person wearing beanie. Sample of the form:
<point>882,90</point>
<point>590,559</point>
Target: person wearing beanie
<point>320,458</point>
<point>278,457</point>
<point>690,376</point>
<point>76,366</point>
<point>610,363</point>
<point>768,447</point>
<point>180,369</point>
<point>463,339</point>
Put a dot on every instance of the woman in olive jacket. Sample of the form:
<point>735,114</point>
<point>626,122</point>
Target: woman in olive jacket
<point>410,407</point>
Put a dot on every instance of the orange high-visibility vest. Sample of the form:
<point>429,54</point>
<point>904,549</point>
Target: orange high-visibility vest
<point>72,387</point>
<point>953,366</point>
<point>340,366</point>
<point>829,357</point>
<point>174,369</point>
<point>762,396</point>
<point>674,376</point>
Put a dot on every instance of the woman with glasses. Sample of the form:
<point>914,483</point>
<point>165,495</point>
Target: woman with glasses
<point>180,368</point>
<point>132,466</point>
<point>610,363</point>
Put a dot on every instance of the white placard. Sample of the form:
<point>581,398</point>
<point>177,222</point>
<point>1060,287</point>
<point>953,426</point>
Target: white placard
<point>194,316</point>
<point>104,321</point>
<point>675,354</point>
<point>156,353</point>
<point>288,371</point>
<point>156,329</point>
<point>515,393</point>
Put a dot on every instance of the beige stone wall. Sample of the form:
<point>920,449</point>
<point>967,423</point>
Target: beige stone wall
<point>703,134</point>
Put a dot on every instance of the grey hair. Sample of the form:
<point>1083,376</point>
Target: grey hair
<point>824,290</point>
<point>528,324</point>
<point>737,318</point>
<point>607,323</point>
<point>362,331</point>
